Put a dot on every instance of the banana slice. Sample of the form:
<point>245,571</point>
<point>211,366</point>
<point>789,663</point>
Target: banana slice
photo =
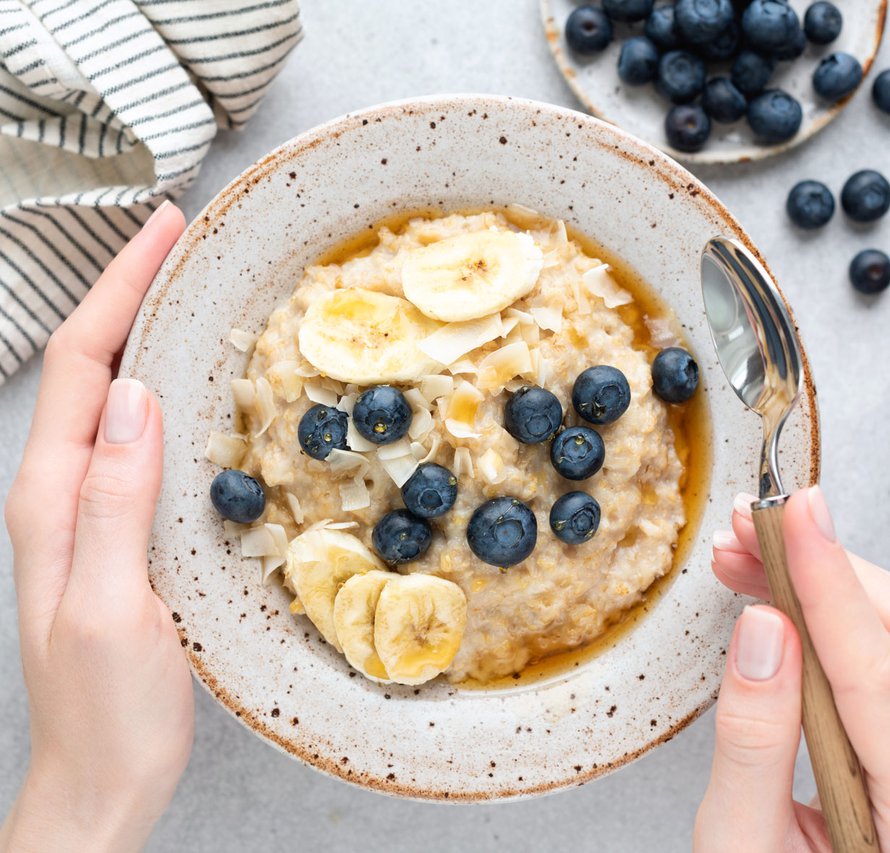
<point>318,563</point>
<point>368,338</point>
<point>471,275</point>
<point>354,609</point>
<point>418,626</point>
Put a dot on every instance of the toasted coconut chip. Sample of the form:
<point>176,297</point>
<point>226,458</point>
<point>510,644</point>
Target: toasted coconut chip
<point>508,324</point>
<point>354,495</point>
<point>559,231</point>
<point>522,316</point>
<point>601,284</point>
<point>548,317</point>
<point>435,386</point>
<point>464,402</point>
<point>317,393</point>
<point>453,340</point>
<point>283,374</point>
<point>293,504</point>
<point>347,403</point>
<point>264,404</point>
<point>544,370</point>
<point>582,303</point>
<point>233,528</point>
<point>416,399</point>
<point>514,385</point>
<point>306,370</point>
<point>520,211</point>
<point>421,423</point>
<point>257,542</point>
<point>463,366</point>
<point>662,332</point>
<point>402,447</point>
<point>491,466</point>
<point>504,364</point>
<point>460,430</point>
<point>341,525</point>
<point>227,451</point>
<point>463,462</point>
<point>434,449</point>
<point>400,468</point>
<point>270,564</point>
<point>356,440</point>
<point>348,462</point>
<point>244,393</point>
<point>241,340</point>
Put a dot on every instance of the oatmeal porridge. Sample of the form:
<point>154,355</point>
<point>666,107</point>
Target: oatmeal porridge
<point>464,468</point>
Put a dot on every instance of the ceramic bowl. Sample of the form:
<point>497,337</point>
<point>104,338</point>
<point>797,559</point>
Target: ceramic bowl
<point>639,110</point>
<point>242,256</point>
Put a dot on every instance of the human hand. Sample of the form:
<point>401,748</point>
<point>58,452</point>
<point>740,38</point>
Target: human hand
<point>109,688</point>
<point>846,603</point>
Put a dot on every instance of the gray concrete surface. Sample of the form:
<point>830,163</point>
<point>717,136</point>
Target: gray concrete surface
<point>238,794</point>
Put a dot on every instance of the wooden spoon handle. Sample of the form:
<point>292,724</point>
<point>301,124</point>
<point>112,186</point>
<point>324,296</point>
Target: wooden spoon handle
<point>836,767</point>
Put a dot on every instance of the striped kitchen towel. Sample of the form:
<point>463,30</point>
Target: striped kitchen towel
<point>107,107</point>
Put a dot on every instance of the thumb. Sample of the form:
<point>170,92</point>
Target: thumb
<point>118,496</point>
<point>748,804</point>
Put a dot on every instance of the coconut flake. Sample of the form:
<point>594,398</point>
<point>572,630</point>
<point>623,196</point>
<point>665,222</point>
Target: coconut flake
<point>356,440</point>
<point>434,449</point>
<point>244,393</point>
<point>522,212</point>
<point>508,324</point>
<point>448,344</point>
<point>582,303</point>
<point>460,430</point>
<point>348,461</point>
<point>227,451</point>
<point>306,370</point>
<point>421,423</point>
<point>661,332</point>
<point>435,386</point>
<point>400,468</point>
<point>548,317</point>
<point>347,403</point>
<point>514,385</point>
<point>317,393</point>
<point>241,340</point>
<point>233,528</point>
<point>340,525</point>
<point>293,504</point>
<point>601,284</point>
<point>463,462</point>
<point>264,404</point>
<point>354,495</point>
<point>504,364</point>
<point>463,366</point>
<point>416,399</point>
<point>491,466</point>
<point>257,542</point>
<point>402,447</point>
<point>270,564</point>
<point>544,371</point>
<point>522,316</point>
<point>284,373</point>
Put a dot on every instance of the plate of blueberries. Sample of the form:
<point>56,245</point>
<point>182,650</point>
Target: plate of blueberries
<point>715,81</point>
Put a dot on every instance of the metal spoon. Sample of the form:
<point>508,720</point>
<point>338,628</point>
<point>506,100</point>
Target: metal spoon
<point>760,354</point>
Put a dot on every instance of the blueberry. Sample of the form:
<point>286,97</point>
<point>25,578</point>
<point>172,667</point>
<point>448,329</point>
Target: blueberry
<point>661,28</point>
<point>588,30</point>
<point>628,10</point>
<point>674,375</point>
<point>430,491</point>
<point>321,429</point>
<point>532,415</point>
<point>810,204</point>
<point>700,21</point>
<point>502,532</point>
<point>575,517</point>
<point>770,26</point>
<point>837,75</point>
<point>723,46</point>
<point>774,116</point>
<point>870,271</point>
<point>577,453</point>
<point>638,61</point>
<point>866,196</point>
<point>601,394</point>
<point>823,22</point>
<point>751,72</point>
<point>382,414</point>
<point>880,92</point>
<point>722,101</point>
<point>400,537</point>
<point>681,76</point>
<point>237,496</point>
<point>687,127</point>
<point>793,48</point>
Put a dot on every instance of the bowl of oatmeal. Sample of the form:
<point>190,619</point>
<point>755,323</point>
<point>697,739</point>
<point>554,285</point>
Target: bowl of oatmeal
<point>465,535</point>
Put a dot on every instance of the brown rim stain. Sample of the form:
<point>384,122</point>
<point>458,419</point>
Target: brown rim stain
<point>660,166</point>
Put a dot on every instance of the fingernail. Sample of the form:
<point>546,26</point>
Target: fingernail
<point>726,541</point>
<point>820,514</point>
<point>157,211</point>
<point>126,410</point>
<point>759,644</point>
<point>742,504</point>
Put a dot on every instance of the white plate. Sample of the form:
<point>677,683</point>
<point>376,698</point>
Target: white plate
<point>641,111</point>
<point>241,257</point>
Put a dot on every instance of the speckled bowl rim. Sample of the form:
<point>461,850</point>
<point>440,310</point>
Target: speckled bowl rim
<point>662,168</point>
<point>705,157</point>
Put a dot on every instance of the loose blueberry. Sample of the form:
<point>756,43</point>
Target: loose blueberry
<point>628,10</point>
<point>681,76</point>
<point>794,48</point>
<point>601,394</point>
<point>837,75</point>
<point>577,453</point>
<point>823,22</point>
<point>661,28</point>
<point>880,92</point>
<point>588,30</point>
<point>502,532</point>
<point>722,101</point>
<point>866,196</point>
<point>532,415</point>
<point>430,491</point>
<point>575,517</point>
<point>638,61</point>
<point>725,46</point>
<point>810,204</point>
<point>687,127</point>
<point>674,375</point>
<point>237,496</point>
<point>870,271</point>
<point>400,537</point>
<point>751,72</point>
<point>774,116</point>
<point>382,414</point>
<point>700,21</point>
<point>770,26</point>
<point>321,429</point>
